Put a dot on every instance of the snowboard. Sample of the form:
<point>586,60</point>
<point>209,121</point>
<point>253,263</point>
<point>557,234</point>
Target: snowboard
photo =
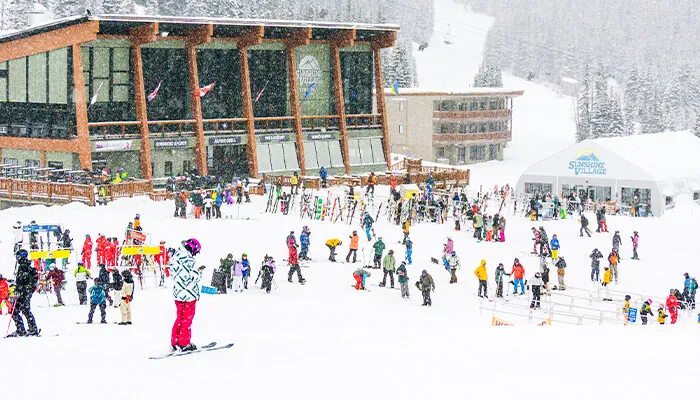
<point>208,347</point>
<point>93,323</point>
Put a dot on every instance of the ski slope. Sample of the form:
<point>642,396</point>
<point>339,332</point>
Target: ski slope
<point>327,340</point>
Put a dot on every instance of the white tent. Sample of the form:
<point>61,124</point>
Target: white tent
<point>653,167</point>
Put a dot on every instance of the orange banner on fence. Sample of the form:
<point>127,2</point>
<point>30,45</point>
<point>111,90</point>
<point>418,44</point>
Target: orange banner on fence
<point>546,322</point>
<point>500,322</point>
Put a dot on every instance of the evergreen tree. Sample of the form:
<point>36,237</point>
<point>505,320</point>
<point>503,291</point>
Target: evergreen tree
<point>117,6</point>
<point>696,130</point>
<point>400,66</point>
<point>488,76</point>
<point>617,122</point>
<point>583,110</point>
<point>14,14</point>
<point>600,106</point>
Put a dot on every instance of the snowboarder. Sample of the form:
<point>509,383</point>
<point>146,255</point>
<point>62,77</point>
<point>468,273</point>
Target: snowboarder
<point>561,271</point>
<point>409,250</point>
<point>536,288</point>
<point>454,266</point>
<point>426,284</point>
<point>595,265</point>
<point>98,298</point>
<point>87,252</point>
<point>482,275</point>
<point>367,222</point>
<point>332,244</point>
<point>500,271</point>
<point>635,244</point>
<point>81,275</point>
<point>305,242</point>
<point>646,310</point>
<point>25,285</point>
<point>389,265</point>
<point>186,293</point>
<point>354,245</point>
<point>402,274</point>
<point>584,226</point>
<point>554,245</point>
<point>57,278</point>
<point>379,247</point>
<point>518,273</point>
<point>614,259</point>
<point>293,261</point>
<point>672,305</point>
<point>127,295</point>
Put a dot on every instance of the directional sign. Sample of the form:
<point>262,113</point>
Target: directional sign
<point>134,250</point>
<point>43,254</point>
<point>632,315</point>
<point>41,228</point>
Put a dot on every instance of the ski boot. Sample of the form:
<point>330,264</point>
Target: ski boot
<point>189,347</point>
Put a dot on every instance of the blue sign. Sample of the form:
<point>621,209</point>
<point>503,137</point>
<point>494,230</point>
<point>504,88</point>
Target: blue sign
<point>41,228</point>
<point>632,315</point>
<point>587,162</point>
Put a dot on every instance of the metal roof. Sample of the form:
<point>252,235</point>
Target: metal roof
<point>223,27</point>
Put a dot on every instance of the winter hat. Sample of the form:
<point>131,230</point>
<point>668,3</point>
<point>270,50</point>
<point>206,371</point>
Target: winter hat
<point>686,275</point>
<point>244,255</point>
<point>500,265</point>
<point>628,297</point>
<point>649,301</point>
<point>555,235</point>
<point>607,268</point>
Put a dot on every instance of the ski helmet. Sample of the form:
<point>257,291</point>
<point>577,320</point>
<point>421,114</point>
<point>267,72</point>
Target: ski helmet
<point>192,245</point>
<point>229,255</point>
<point>87,236</point>
<point>391,251</point>
<point>454,253</point>
<point>635,232</point>
<point>649,301</point>
<point>537,274</point>
<point>21,254</point>
<point>672,291</point>
<point>628,297</point>
<point>0,277</point>
<point>137,216</point>
<point>244,255</point>
<point>686,275</point>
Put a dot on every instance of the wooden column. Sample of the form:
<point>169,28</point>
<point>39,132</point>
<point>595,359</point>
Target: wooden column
<point>299,38</point>
<point>384,40</point>
<point>139,36</point>
<point>199,35</point>
<point>251,37</point>
<point>342,39</point>
<point>43,159</point>
<point>81,116</point>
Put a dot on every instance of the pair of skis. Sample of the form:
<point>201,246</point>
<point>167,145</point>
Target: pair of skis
<point>208,347</point>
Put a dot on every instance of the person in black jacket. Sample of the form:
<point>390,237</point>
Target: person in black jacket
<point>25,286</point>
<point>116,285</point>
<point>596,255</point>
<point>66,243</point>
<point>104,279</point>
<point>584,226</point>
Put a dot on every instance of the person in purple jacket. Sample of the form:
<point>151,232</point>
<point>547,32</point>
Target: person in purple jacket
<point>635,243</point>
<point>237,276</point>
<point>449,248</point>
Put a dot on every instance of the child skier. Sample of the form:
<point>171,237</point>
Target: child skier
<point>454,264</point>
<point>409,250</point>
<point>293,261</point>
<point>268,273</point>
<point>425,284</point>
<point>626,308</point>
<point>360,276</point>
<point>661,315</point>
<point>98,298</point>
<point>554,245</point>
<point>305,242</point>
<point>482,276</point>
<point>536,288</point>
<point>607,278</point>
<point>245,267</point>
<point>238,276</point>
<point>403,280</point>
<point>57,278</point>
<point>646,310</point>
<point>672,304</point>
<point>379,247</point>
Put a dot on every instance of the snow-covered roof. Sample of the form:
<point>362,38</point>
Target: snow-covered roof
<point>476,92</point>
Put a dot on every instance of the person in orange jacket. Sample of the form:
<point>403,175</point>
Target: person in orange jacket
<point>5,295</point>
<point>672,305</point>
<point>392,182</point>
<point>354,245</point>
<point>614,260</point>
<point>87,252</point>
<point>518,273</point>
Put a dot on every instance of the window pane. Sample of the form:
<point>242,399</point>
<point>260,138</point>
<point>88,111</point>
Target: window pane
<point>18,80</point>
<point>100,64</point>
<point>276,157</point>
<point>58,76</point>
<point>86,58</point>
<point>310,155</point>
<point>354,150</point>
<point>120,59</point>
<point>336,155</point>
<point>323,153</point>
<point>120,78</point>
<point>290,156</point>
<point>378,150</point>
<point>366,151</point>
<point>103,86</point>
<point>119,93</point>
<point>264,158</point>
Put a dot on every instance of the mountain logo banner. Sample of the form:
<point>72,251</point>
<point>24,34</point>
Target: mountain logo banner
<point>309,72</point>
<point>587,162</point>
<point>500,322</point>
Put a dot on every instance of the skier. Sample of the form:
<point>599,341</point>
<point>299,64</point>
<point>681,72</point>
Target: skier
<point>186,293</point>
<point>293,261</point>
<point>332,244</point>
<point>544,242</point>
<point>305,242</point>
<point>626,308</point>
<point>367,222</point>
<point>268,273</point>
<point>208,204</point>
<point>81,275</point>
<point>5,296</point>
<point>646,310</point>
<point>389,265</point>
<point>98,298</point>
<point>360,276</point>
<point>518,273</point>
<point>87,252</point>
<point>379,247</point>
<point>57,278</point>
<point>616,242</point>
<point>104,279</point>
<point>595,264</point>
<point>323,174</point>
<point>402,274</point>
<point>661,315</point>
<point>607,278</point>
<point>409,250</point>
<point>245,266</point>
<point>635,244</point>
<point>500,271</point>
<point>291,240</point>
<point>554,245</point>
<point>453,262</point>
<point>127,295</point>
<point>354,245</point>
<point>535,287</point>
<point>672,304</point>
<point>614,259</point>
<point>584,226</point>
<point>101,243</point>
<point>227,269</point>
<point>537,238</point>
<point>561,271</point>
<point>482,275</point>
<point>25,285</point>
<point>425,284</point>
<point>66,243</point>
<point>238,276</point>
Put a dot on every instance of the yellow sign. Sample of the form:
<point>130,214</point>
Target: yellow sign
<point>546,322</point>
<point>42,254</point>
<point>500,322</point>
<point>134,250</point>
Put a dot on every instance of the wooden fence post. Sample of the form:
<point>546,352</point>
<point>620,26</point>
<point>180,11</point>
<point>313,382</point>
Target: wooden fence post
<point>92,195</point>
<point>49,189</point>
<point>29,190</point>
<point>70,193</point>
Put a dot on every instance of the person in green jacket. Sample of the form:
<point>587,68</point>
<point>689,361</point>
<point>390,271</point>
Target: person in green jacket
<point>403,279</point>
<point>82,274</point>
<point>379,247</point>
<point>389,265</point>
<point>226,265</point>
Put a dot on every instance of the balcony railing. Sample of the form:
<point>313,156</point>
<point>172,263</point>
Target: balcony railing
<point>130,129</point>
<point>224,126</point>
<point>364,121</point>
<point>460,137</point>
<point>477,114</point>
<point>274,124</point>
<point>181,127</point>
<point>317,122</point>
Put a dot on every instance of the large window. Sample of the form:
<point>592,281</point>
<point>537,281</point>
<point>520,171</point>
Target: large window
<point>357,76</point>
<point>477,153</point>
<point>277,157</point>
<point>493,151</point>
<point>106,72</point>
<point>268,82</point>
<point>643,196</point>
<point>538,188</point>
<point>366,151</point>
<point>461,155</point>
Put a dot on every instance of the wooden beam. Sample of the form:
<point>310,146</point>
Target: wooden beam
<point>381,105</point>
<point>52,40</point>
<point>344,38</point>
<point>247,103</point>
<point>200,156</point>
<point>384,40</point>
<point>340,105</point>
<point>81,114</point>
<point>67,146</point>
<point>300,37</point>
<point>200,35</point>
<point>251,36</point>
<point>142,112</point>
<point>147,33</point>
<point>295,106</point>
<point>43,159</point>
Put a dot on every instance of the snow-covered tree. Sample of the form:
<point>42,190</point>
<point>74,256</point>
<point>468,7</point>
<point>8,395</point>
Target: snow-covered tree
<point>399,66</point>
<point>13,14</point>
<point>117,6</point>
<point>583,110</point>
<point>488,76</point>
<point>617,122</point>
<point>600,106</point>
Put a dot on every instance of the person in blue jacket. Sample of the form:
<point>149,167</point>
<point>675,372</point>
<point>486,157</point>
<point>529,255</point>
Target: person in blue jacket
<point>554,246</point>
<point>409,250</point>
<point>98,298</point>
<point>305,241</point>
<point>245,266</point>
<point>323,174</point>
<point>429,184</point>
<point>217,204</point>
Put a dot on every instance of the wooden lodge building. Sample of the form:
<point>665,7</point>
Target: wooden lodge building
<point>127,92</point>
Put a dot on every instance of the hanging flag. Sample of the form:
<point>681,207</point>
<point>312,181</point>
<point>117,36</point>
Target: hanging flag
<point>395,87</point>
<point>93,100</point>
<point>202,91</point>
<point>310,90</point>
<point>154,93</point>
<point>261,92</point>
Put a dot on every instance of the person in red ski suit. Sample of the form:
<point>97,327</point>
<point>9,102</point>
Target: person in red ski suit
<point>116,252</point>
<point>5,295</point>
<point>101,241</point>
<point>87,252</point>
<point>672,305</point>
<point>108,249</point>
<point>293,261</point>
<point>163,258</point>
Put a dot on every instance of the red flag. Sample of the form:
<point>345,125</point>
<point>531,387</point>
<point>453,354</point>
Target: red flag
<point>154,93</point>
<point>205,90</point>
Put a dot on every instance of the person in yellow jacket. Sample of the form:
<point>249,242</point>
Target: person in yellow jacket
<point>294,182</point>
<point>626,308</point>
<point>406,229</point>
<point>661,315</point>
<point>607,278</point>
<point>332,244</point>
<point>482,275</point>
